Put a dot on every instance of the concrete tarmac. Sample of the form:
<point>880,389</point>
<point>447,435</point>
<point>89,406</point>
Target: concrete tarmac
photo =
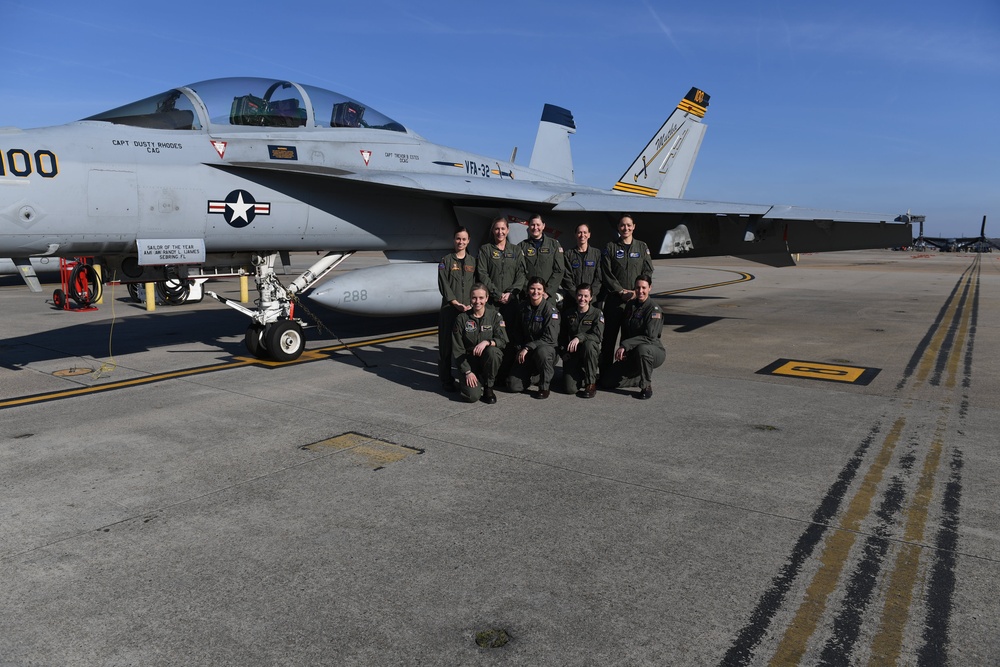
<point>812,482</point>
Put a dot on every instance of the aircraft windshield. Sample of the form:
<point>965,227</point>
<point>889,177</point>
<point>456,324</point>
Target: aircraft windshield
<point>171,110</point>
<point>249,102</point>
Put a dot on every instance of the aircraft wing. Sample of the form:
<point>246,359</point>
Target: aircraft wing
<point>759,232</point>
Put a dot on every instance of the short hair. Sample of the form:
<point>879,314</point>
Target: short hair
<point>582,224</point>
<point>535,279</point>
<point>645,277</point>
<point>479,286</point>
<point>585,286</point>
<point>536,215</point>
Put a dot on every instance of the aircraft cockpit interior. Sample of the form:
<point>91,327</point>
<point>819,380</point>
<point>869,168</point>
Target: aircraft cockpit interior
<point>248,102</point>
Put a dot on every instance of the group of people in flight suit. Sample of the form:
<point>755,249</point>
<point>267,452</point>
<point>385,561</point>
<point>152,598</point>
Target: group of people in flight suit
<point>500,321</point>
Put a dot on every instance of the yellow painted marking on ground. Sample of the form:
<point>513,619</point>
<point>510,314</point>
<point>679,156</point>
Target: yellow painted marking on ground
<point>835,553</point>
<point>888,642</point>
<point>816,370</point>
<point>960,340</point>
<point>931,353</point>
<point>743,277</point>
<point>108,386</point>
<point>237,362</point>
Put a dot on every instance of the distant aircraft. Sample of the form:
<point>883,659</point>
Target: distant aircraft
<point>956,244</point>
<point>233,174</point>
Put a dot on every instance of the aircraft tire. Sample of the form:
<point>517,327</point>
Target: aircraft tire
<point>285,341</point>
<point>59,299</point>
<point>133,292</point>
<point>254,341</point>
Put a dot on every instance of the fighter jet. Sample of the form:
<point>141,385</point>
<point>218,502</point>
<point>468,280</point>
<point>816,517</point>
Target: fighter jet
<point>955,244</point>
<point>233,174</point>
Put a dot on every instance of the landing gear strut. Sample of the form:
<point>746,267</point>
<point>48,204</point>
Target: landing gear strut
<point>275,333</point>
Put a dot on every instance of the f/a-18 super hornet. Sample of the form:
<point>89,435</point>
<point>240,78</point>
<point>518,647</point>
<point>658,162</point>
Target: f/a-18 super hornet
<point>236,173</point>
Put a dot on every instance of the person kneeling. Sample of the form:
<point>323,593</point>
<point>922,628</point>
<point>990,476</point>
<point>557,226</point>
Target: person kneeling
<point>640,350</point>
<point>536,335</point>
<point>478,340</point>
<point>583,331</point>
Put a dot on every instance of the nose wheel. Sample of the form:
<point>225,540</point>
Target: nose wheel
<point>280,341</point>
<point>285,341</point>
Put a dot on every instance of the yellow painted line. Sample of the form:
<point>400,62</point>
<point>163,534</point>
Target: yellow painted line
<point>927,362</point>
<point>888,643</point>
<point>835,553</point>
<point>958,348</point>
<point>743,277</point>
<point>308,356</point>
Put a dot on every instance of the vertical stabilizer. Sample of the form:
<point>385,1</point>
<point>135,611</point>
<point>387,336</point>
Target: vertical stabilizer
<point>664,166</point>
<point>551,153</point>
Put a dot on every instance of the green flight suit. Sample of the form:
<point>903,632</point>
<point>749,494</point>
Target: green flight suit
<point>455,280</point>
<point>641,332</point>
<point>621,264</point>
<point>580,368</point>
<point>582,267</point>
<point>537,331</point>
<point>467,332</point>
<point>544,261</point>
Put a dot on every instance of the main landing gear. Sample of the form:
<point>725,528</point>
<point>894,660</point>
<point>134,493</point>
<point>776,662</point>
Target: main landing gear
<point>274,332</point>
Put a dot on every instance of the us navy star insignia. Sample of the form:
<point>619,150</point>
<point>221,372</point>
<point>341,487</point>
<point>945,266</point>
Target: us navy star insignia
<point>239,208</point>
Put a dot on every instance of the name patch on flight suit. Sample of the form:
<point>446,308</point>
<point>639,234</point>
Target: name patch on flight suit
<point>633,255</point>
<point>469,269</point>
<point>588,262</point>
<point>545,251</point>
<point>486,327</point>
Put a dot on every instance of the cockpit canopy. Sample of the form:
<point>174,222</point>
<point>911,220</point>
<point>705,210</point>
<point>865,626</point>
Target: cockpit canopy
<point>247,102</point>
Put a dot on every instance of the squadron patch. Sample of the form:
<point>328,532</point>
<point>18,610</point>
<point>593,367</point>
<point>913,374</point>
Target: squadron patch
<point>619,254</point>
<point>495,254</point>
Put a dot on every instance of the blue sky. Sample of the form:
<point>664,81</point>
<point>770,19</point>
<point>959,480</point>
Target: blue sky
<point>852,105</point>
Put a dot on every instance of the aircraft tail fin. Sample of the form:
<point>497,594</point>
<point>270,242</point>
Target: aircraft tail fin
<point>551,153</point>
<point>664,166</point>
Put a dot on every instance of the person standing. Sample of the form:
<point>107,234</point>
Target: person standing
<point>536,336</point>
<point>479,337</point>
<point>582,332</point>
<point>583,265</point>
<point>500,268</point>
<point>543,256</point>
<point>622,262</point>
<point>641,350</point>
<point>456,276</point>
